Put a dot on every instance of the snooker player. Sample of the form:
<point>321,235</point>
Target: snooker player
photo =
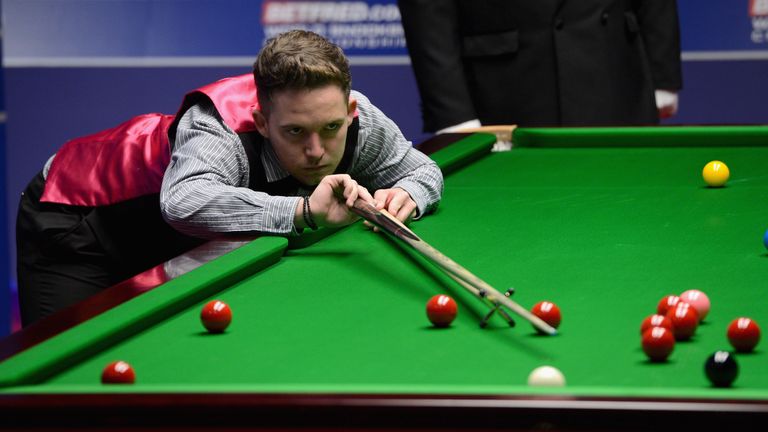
<point>289,148</point>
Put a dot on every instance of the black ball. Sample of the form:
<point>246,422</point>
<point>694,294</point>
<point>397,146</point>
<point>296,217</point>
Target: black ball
<point>721,369</point>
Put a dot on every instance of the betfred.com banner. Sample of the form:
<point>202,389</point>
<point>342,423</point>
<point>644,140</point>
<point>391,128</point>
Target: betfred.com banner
<point>359,27</point>
<point>231,32</point>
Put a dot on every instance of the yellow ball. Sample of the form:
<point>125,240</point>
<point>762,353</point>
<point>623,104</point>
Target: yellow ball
<point>715,173</point>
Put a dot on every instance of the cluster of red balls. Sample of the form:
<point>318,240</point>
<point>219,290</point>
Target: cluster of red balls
<point>677,318</point>
<point>215,317</point>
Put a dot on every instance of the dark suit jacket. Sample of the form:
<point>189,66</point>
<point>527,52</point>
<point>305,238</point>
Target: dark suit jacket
<point>542,62</point>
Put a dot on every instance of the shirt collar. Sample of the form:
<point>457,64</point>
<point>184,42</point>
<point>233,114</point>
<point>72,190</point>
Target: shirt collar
<point>273,170</point>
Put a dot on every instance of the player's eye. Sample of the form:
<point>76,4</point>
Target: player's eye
<point>295,131</point>
<point>331,129</point>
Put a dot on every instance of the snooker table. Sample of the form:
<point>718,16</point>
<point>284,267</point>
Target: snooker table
<point>330,331</point>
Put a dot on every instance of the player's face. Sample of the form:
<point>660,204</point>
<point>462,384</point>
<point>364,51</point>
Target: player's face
<point>308,130</point>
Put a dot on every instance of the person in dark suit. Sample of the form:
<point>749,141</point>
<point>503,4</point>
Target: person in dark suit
<point>543,62</point>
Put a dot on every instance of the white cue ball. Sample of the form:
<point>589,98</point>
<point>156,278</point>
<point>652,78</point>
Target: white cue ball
<point>546,376</point>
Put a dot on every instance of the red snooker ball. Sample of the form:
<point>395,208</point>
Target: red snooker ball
<point>743,334</point>
<point>118,372</point>
<point>548,312</point>
<point>655,320</point>
<point>216,316</point>
<point>684,319</point>
<point>658,343</point>
<point>441,310</point>
<point>666,303</point>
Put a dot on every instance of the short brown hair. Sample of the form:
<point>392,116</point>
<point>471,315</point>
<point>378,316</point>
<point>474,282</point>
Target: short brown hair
<point>299,59</point>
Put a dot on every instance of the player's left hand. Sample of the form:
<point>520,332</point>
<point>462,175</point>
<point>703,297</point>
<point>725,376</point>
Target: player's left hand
<point>397,202</point>
<point>333,197</point>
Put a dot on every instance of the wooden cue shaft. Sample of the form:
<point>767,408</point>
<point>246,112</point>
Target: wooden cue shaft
<point>451,266</point>
<point>476,292</point>
<point>393,226</point>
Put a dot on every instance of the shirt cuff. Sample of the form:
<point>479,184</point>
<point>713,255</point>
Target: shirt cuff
<point>279,212</point>
<point>666,101</point>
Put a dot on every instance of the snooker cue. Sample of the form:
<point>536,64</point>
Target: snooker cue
<point>494,305</point>
<point>391,225</point>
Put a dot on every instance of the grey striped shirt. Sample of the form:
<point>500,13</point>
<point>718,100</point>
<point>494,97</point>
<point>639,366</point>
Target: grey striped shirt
<point>205,188</point>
